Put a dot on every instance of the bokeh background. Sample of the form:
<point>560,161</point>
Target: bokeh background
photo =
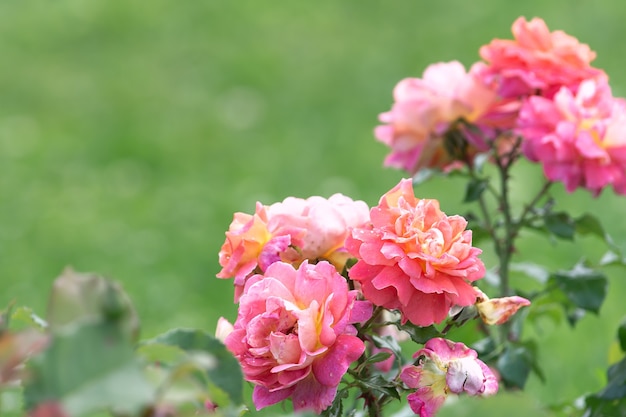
<point>131,131</point>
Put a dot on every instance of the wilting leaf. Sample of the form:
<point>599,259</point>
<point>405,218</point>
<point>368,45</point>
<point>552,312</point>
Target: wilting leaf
<point>15,348</point>
<point>78,298</point>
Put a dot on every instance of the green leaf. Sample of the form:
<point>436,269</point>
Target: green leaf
<point>475,188</point>
<point>90,368</point>
<point>616,385</point>
<point>598,407</point>
<point>484,347</point>
<point>560,225</point>
<point>224,372</point>
<point>160,353</point>
<point>621,335</point>
<point>380,384</point>
<point>336,408</point>
<point>589,225</point>
<point>378,357</point>
<point>611,400</point>
<point>585,287</point>
<point>515,365</point>
<point>387,342</point>
<point>479,232</point>
<point>26,316</point>
<point>419,334</point>
<point>612,258</point>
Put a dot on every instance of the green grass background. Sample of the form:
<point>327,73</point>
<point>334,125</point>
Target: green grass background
<point>130,132</point>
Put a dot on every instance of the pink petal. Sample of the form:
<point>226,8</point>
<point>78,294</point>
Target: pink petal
<point>329,369</point>
<point>262,397</point>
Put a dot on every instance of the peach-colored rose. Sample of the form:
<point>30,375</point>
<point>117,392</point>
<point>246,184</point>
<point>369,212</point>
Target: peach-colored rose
<point>326,224</point>
<point>580,139</point>
<point>294,335</point>
<point>245,239</point>
<point>415,258</point>
<point>291,231</point>
<point>445,367</point>
<point>423,111</point>
<point>494,311</point>
<point>537,60</point>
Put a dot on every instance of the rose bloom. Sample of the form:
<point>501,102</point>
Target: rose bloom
<point>290,231</point>
<point>415,258</point>
<point>445,367</point>
<point>580,139</point>
<point>424,109</point>
<point>294,335</point>
<point>494,311</point>
<point>537,60</point>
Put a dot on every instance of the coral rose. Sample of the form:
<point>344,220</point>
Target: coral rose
<point>423,111</point>
<point>294,335</point>
<point>415,258</point>
<point>291,231</point>
<point>537,60</point>
<point>445,367</point>
<point>580,138</point>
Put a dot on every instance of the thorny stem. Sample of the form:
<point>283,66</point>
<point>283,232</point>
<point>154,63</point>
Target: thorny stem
<point>504,243</point>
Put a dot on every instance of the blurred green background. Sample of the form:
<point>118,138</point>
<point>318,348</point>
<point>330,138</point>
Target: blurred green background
<point>130,132</point>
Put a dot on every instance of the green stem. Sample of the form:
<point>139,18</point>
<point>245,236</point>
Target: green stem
<point>505,246</point>
<point>530,207</point>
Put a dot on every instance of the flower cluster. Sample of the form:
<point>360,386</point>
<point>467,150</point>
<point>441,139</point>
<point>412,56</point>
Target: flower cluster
<point>290,231</point>
<point>301,324</point>
<point>539,86</point>
<point>327,287</point>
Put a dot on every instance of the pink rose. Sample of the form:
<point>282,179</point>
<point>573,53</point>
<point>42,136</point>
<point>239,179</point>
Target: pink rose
<point>414,258</point>
<point>290,231</point>
<point>294,335</point>
<point>580,138</point>
<point>537,59</point>
<point>445,367</point>
<point>423,111</point>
